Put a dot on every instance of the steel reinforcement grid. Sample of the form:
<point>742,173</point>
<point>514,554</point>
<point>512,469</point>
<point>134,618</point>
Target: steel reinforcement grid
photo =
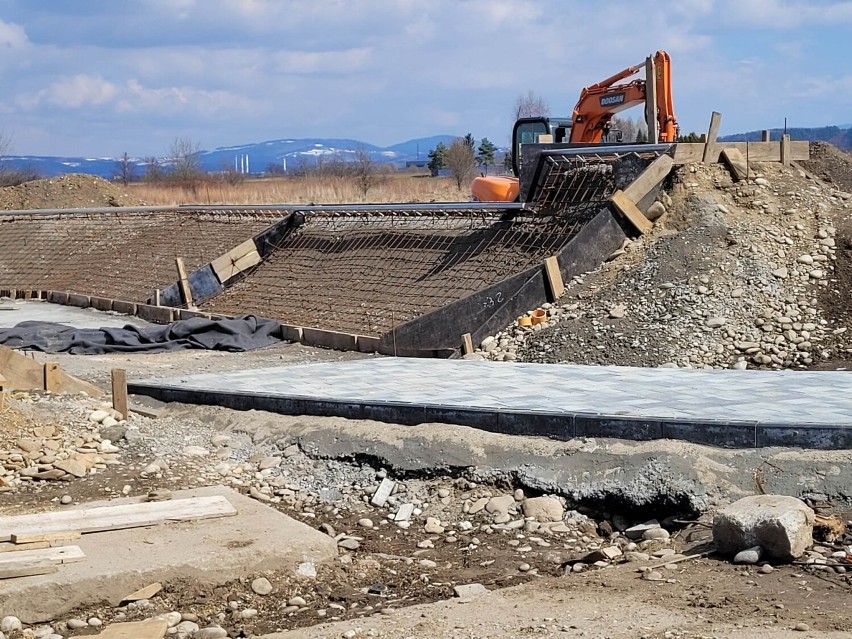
<point>365,271</point>
<point>117,253</point>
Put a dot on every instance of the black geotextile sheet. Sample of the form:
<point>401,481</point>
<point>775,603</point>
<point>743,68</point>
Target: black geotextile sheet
<point>243,333</point>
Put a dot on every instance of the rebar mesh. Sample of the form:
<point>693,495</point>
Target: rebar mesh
<point>117,255</point>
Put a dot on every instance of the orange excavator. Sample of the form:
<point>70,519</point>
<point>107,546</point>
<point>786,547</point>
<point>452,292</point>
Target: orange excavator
<point>591,120</point>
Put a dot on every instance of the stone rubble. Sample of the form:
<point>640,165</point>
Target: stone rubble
<point>755,256</point>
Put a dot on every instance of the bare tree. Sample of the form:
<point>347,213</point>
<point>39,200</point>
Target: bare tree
<point>184,158</point>
<point>13,175</point>
<point>125,171</point>
<point>5,148</point>
<point>531,106</point>
<point>153,170</point>
<point>459,159</point>
<point>364,170</point>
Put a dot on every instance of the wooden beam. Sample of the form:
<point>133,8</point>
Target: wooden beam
<point>628,209</point>
<point>27,569</point>
<point>554,278</point>
<point>236,261</point>
<point>710,146</point>
<point>10,547</point>
<point>688,153</point>
<point>66,535</point>
<point>183,282</point>
<point>651,115</point>
<point>736,163</point>
<point>87,520</point>
<point>119,391</point>
<point>467,344</point>
<point>52,380</point>
<point>655,173</point>
<point>786,151</point>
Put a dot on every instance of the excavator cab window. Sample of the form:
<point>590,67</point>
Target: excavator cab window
<point>526,131</point>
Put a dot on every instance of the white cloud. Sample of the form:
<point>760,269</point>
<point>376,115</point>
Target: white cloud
<point>12,35</point>
<point>80,90</point>
<point>309,62</point>
<point>160,101</point>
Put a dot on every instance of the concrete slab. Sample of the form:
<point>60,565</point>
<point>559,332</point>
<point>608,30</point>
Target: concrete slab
<point>212,551</point>
<point>40,311</point>
<point>723,408</point>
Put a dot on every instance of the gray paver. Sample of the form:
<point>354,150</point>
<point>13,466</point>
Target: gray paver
<point>776,398</point>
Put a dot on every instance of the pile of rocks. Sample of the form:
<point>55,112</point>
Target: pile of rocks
<point>732,278</point>
<point>64,451</point>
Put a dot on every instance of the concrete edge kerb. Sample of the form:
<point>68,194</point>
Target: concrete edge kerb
<point>555,425</point>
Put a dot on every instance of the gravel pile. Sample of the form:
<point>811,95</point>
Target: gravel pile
<point>734,275</point>
<point>69,191</point>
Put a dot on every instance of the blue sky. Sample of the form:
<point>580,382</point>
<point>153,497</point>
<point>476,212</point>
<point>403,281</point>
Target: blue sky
<point>99,78</point>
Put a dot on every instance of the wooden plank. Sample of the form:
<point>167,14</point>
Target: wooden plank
<point>10,547</point>
<point>655,173</point>
<point>65,535</point>
<point>58,555</point>
<point>710,152</point>
<point>119,391</point>
<point>235,267</point>
<point>23,373</point>
<point>554,277</point>
<point>651,115</point>
<point>29,569</point>
<point>688,153</point>
<point>628,209</point>
<point>235,261</point>
<point>144,593</point>
<point>52,381</point>
<point>148,629</point>
<point>467,344</point>
<point>183,282</point>
<point>100,518</point>
<point>736,162</point>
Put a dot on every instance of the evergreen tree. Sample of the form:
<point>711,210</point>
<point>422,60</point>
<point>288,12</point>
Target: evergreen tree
<point>437,158</point>
<point>471,143</point>
<point>485,157</point>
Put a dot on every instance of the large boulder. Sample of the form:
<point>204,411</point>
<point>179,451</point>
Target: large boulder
<point>782,526</point>
<point>544,508</point>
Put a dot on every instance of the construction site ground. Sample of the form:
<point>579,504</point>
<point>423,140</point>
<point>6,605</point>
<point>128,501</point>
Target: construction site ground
<point>393,580</point>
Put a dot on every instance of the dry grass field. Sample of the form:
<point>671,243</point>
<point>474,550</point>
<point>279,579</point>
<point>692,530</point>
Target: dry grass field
<point>301,190</point>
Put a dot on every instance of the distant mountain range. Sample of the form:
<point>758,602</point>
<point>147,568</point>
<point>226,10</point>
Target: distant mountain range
<point>292,153</point>
<point>247,158</point>
<point>840,135</point>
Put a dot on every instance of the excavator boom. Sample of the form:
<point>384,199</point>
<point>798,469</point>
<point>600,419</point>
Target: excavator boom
<point>599,102</point>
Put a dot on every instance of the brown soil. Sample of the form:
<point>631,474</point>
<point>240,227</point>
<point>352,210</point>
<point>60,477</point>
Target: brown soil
<point>65,192</point>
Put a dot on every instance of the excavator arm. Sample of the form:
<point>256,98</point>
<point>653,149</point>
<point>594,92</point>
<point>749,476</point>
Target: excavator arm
<point>599,102</point>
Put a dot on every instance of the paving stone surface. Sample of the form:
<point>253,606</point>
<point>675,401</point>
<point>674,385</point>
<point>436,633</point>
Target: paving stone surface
<point>792,398</point>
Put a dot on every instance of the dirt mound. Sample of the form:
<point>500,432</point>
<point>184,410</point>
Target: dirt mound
<point>735,275</point>
<point>65,192</point>
<point>830,164</point>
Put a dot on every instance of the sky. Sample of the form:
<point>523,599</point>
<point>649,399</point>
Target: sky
<point>98,79</point>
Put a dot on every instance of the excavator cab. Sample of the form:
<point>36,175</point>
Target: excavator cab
<point>526,131</point>
<point>531,130</point>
